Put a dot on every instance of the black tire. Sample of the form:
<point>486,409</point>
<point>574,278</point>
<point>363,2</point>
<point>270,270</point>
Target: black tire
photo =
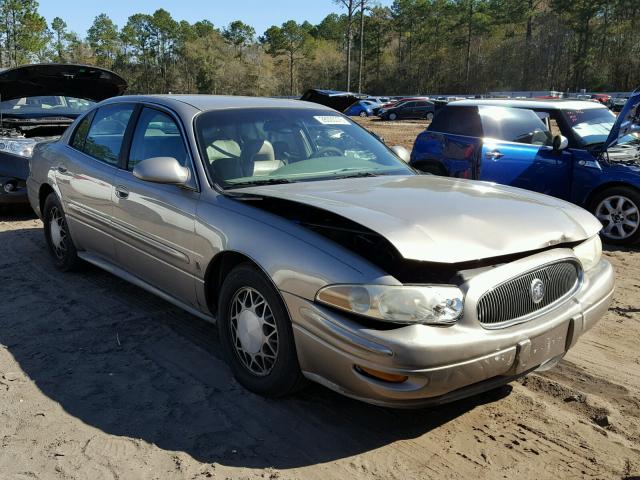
<point>392,116</point>
<point>632,197</point>
<point>429,116</point>
<point>63,251</point>
<point>284,375</point>
<point>363,114</point>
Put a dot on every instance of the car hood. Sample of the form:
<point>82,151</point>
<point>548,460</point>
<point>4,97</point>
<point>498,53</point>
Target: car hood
<point>628,121</point>
<point>79,81</point>
<point>436,219</point>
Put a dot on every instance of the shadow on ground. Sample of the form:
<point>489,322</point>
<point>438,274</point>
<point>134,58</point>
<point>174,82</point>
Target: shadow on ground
<point>132,365</point>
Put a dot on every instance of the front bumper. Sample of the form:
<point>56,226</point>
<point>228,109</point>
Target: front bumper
<point>444,363</point>
<point>17,194</point>
<point>14,171</point>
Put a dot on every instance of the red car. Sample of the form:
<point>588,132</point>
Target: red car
<point>601,97</point>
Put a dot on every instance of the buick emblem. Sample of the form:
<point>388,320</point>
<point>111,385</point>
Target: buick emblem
<point>537,290</point>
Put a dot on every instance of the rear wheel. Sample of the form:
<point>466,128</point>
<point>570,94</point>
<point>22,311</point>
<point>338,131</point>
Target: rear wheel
<point>56,232</point>
<point>618,209</point>
<point>256,334</point>
<point>430,116</point>
<point>363,114</point>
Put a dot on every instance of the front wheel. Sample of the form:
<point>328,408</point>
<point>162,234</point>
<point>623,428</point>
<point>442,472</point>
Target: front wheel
<point>56,232</point>
<point>393,116</point>
<point>618,209</point>
<point>363,114</point>
<point>256,334</point>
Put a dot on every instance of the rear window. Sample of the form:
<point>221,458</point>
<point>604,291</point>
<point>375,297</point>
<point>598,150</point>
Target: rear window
<point>457,121</point>
<point>514,125</point>
<point>106,134</point>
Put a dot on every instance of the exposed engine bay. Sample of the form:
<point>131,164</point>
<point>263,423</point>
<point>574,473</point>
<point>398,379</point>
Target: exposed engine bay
<point>36,128</point>
<point>375,248</point>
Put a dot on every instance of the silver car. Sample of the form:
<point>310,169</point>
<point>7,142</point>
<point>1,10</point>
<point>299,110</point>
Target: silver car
<point>319,253</point>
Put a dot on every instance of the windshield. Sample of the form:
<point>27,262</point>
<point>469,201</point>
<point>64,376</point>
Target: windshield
<point>45,105</point>
<point>244,147</point>
<point>591,126</point>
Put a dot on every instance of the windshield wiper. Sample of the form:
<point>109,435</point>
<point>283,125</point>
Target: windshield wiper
<point>358,174</point>
<point>266,181</point>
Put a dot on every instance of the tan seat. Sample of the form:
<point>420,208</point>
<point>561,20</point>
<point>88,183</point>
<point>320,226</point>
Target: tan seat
<point>224,157</point>
<point>261,155</point>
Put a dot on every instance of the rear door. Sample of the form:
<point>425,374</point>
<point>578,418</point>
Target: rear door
<point>450,145</point>
<point>154,223</point>
<point>421,109</point>
<point>86,175</point>
<point>517,151</point>
<point>406,111</point>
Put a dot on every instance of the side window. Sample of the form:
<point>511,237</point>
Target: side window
<point>440,122</point>
<point>156,135</point>
<point>107,132</point>
<point>458,121</point>
<point>515,125</point>
<point>80,135</point>
<point>409,105</point>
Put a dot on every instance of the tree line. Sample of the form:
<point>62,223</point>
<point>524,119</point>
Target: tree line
<point>412,46</point>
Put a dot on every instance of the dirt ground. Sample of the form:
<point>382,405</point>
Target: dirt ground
<point>400,132</point>
<point>100,380</point>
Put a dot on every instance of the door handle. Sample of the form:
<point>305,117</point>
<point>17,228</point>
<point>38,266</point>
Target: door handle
<point>62,169</point>
<point>494,155</point>
<point>121,192</point>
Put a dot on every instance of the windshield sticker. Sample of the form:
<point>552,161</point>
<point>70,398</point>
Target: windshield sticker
<point>331,120</point>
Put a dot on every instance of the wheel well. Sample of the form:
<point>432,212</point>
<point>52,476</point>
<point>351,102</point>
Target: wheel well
<point>217,270</point>
<point>601,188</point>
<point>45,190</point>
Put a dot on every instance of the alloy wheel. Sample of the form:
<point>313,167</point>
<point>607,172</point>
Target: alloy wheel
<point>254,332</point>
<point>620,217</point>
<point>58,232</point>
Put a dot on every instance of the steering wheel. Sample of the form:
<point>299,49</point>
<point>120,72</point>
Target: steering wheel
<point>326,150</point>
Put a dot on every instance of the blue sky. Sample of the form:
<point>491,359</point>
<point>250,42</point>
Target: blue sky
<point>260,14</point>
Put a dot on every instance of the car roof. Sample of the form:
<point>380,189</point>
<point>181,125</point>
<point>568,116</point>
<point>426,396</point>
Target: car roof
<point>547,104</point>
<point>219,102</point>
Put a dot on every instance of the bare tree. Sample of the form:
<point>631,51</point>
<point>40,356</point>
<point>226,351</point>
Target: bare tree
<point>350,5</point>
<point>363,4</point>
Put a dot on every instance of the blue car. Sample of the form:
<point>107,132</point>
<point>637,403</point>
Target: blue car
<point>575,150</point>
<point>362,108</point>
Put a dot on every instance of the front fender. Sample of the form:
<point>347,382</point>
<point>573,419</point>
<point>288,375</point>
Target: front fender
<point>297,260</point>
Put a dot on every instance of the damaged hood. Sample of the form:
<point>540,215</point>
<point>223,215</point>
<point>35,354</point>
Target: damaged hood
<point>79,81</point>
<point>436,219</point>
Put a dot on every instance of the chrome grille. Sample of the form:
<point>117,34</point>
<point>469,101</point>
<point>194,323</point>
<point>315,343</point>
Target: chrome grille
<point>512,300</point>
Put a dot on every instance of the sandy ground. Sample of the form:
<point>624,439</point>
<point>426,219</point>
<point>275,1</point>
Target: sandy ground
<point>100,380</point>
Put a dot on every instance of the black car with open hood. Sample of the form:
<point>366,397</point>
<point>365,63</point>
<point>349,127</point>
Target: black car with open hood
<point>37,103</point>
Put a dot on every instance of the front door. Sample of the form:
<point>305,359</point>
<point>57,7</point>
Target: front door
<point>532,167</point>
<point>154,223</point>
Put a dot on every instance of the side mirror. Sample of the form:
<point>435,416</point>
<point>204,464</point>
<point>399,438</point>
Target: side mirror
<point>161,170</point>
<point>402,153</point>
<point>560,143</point>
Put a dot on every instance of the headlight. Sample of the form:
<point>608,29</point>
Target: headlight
<point>589,252</point>
<point>22,147</point>
<point>431,304</point>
